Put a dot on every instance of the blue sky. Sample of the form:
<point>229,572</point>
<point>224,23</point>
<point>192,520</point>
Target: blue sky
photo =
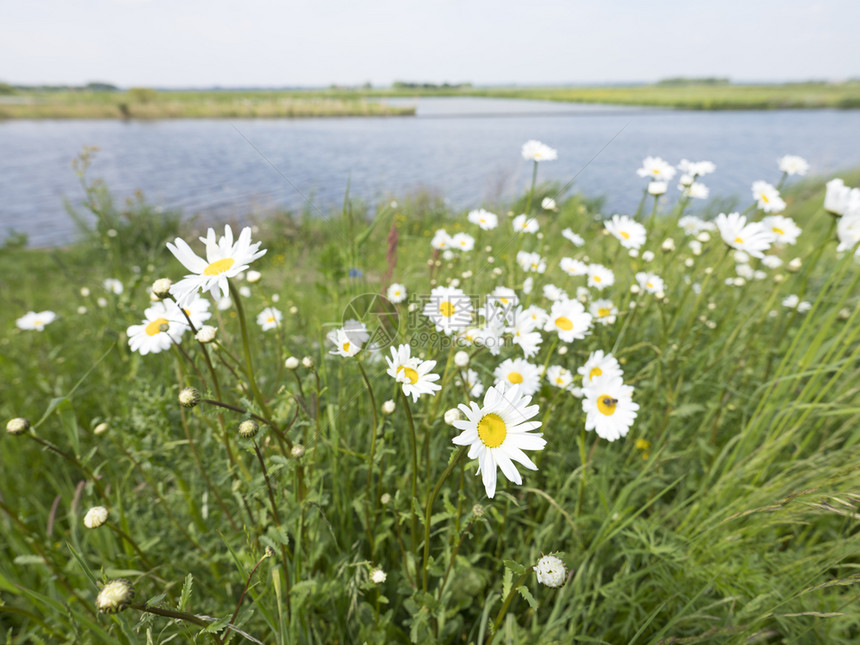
<point>199,43</point>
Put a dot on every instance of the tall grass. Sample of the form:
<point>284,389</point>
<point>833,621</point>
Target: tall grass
<point>736,524</point>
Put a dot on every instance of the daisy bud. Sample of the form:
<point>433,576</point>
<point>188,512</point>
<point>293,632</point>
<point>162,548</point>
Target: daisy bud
<point>490,259</point>
<point>17,425</point>
<point>497,271</point>
<point>633,253</point>
<point>689,263</point>
<point>648,256</point>
<point>739,282</point>
<point>660,295</point>
<point>269,552</point>
<point>794,265</point>
<point>291,363</point>
<point>115,596</point>
<point>377,576</point>
<point>85,292</point>
<point>454,282</point>
<point>308,362</point>
<point>488,249</point>
<point>294,310</point>
<point>82,310</point>
<point>711,306</point>
<point>634,288</point>
<point>95,517</point>
<point>206,334</point>
<point>657,188</point>
<point>562,350</point>
<point>297,451</point>
<point>451,416</point>
<point>248,429</point>
<point>778,278</point>
<point>100,428</point>
<point>477,510</point>
<point>550,571</point>
<point>161,288</point>
<point>413,307</point>
<point>539,236</point>
<point>711,324</point>
<point>466,275</point>
<point>189,397</point>
<point>461,359</point>
<point>844,314</point>
<point>385,499</point>
<point>253,276</point>
<point>153,297</point>
<point>704,236</point>
<point>276,297</point>
<point>102,302</point>
<point>668,245</point>
<point>388,407</point>
<point>245,292</point>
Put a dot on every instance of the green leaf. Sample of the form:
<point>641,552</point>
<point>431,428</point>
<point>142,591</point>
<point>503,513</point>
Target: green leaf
<point>530,599</point>
<point>186,592</point>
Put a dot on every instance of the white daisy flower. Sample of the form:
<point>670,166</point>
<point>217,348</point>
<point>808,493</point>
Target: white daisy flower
<point>113,285</point>
<point>559,377</point>
<point>753,238</point>
<point>609,407</point>
<point>657,188</point>
<point>528,284</point>
<point>599,364</point>
<point>269,318</point>
<point>548,204</point>
<point>485,219</point>
<point>569,319</point>
<point>745,271</point>
<point>603,312</point>
<point>839,199</point>
<point>573,267</point>
<point>441,240</point>
<point>224,260</point>
<point>696,168</point>
<point>848,233</point>
<point>569,235</point>
<point>771,261</point>
<point>525,224</point>
<point>412,373</point>
<point>697,190</point>
<point>537,151</point>
<point>600,276</point>
<point>656,168</point>
<point>463,241</point>
<point>396,292</point>
<point>197,309</point>
<point>343,344</point>
<point>523,333</point>
<point>35,321</point>
<point>163,325</point>
<point>531,262</point>
<point>473,383</point>
<point>793,165</point>
<point>650,282</point>
<point>784,230</point>
<point>356,331</point>
<point>693,225</point>
<point>490,335</point>
<point>767,197</point>
<point>449,309</point>
<point>518,371</point>
<point>553,293</point>
<point>537,314</point>
<point>628,231</point>
<point>498,432</point>
<point>794,302</point>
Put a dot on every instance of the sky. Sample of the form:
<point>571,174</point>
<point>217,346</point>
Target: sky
<point>269,43</point>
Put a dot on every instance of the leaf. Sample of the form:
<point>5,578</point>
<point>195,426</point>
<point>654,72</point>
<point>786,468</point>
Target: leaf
<point>29,559</point>
<point>686,410</point>
<point>186,592</point>
<point>530,599</point>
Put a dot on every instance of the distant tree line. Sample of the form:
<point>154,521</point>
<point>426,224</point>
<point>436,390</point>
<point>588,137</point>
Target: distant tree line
<point>688,80</point>
<point>406,85</point>
<point>96,86</point>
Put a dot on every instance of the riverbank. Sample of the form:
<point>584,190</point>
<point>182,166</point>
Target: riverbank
<point>145,103</point>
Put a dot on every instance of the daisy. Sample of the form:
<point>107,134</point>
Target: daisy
<point>630,233</point>
<point>356,331</point>
<point>396,292</point>
<point>657,188</point>
<point>848,233</point>
<point>693,225</point>
<point>473,383</point>
<point>767,197</point>
<point>503,297</point>
<point>599,364</point>
<point>794,302</point>
<point>412,373</point>
<point>784,230</point>
<point>577,240</point>
<point>600,277</point>
<point>537,314</point>
<point>696,168</point>
<point>224,260</point>
<point>197,310</point>
<point>537,151</point>
<point>497,432</point>
<point>343,345</point>
<point>269,318</point>
<point>569,319</point>
<point>548,204</point>
<point>697,190</point>
<point>573,267</point>
<point>518,371</point>
<point>449,309</point>
<point>559,377</point>
<point>490,336</point>
<point>609,407</point>
<point>650,282</point>
<point>523,333</point>
<point>485,219</point>
<point>656,168</point>
<point>753,238</point>
<point>532,262</point>
<point>113,285</point>
<point>463,241</point>
<point>525,224</point>
<point>35,321</point>
<point>793,165</point>
<point>771,261</point>
<point>163,325</point>
<point>553,293</point>
<point>441,240</point>
<point>839,199</point>
<point>603,312</point>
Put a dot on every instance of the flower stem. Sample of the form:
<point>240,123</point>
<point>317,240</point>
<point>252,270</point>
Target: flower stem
<point>506,605</point>
<point>246,347</point>
<point>414,472</point>
<point>429,509</point>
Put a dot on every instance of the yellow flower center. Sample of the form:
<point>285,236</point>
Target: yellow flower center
<point>778,231</point>
<point>515,378</point>
<point>270,319</point>
<point>564,323</point>
<point>411,374</point>
<point>559,380</point>
<point>492,430</point>
<point>603,311</point>
<point>346,346</point>
<point>625,235</point>
<point>765,199</point>
<point>606,404</point>
<point>155,326</point>
<point>595,371</point>
<point>656,171</point>
<point>219,266</point>
<point>643,444</point>
<point>649,284</point>
<point>739,240</point>
<point>597,278</point>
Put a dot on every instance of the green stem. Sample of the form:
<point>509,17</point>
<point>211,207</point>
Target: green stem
<point>501,616</point>
<point>414,439</point>
<point>429,509</point>
<point>246,347</point>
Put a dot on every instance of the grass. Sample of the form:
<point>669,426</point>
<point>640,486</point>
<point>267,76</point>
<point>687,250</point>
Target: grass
<point>736,525</point>
<point>141,103</point>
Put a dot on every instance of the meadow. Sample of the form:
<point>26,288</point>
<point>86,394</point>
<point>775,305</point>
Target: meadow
<point>287,461</point>
<point>147,103</point>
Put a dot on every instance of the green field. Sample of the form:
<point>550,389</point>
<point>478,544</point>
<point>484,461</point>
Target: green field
<point>144,103</point>
<point>727,514</point>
